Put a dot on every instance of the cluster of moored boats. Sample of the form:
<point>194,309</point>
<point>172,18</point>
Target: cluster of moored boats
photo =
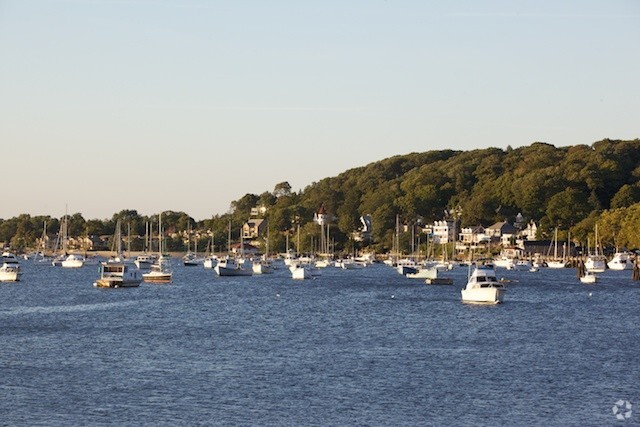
<point>482,284</point>
<point>484,287</point>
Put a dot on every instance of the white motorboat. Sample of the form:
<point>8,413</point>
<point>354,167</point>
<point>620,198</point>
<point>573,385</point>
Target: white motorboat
<point>556,264</point>
<point>191,259</point>
<point>407,266</point>
<point>620,261</point>
<point>299,272</point>
<point>483,287</point>
<point>350,264</point>
<point>10,272</point>
<point>424,273</point>
<point>523,264</point>
<point>144,261</point>
<point>73,261</point>
<point>596,263</point>
<point>504,262</point>
<point>589,277</point>
<point>210,261</point>
<point>323,263</point>
<point>262,266</point>
<point>159,272</point>
<point>118,275</point>
<point>230,267</point>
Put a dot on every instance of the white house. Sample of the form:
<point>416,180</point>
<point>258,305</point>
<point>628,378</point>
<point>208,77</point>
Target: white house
<point>444,231</point>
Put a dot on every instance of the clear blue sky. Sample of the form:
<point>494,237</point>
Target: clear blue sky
<point>189,104</point>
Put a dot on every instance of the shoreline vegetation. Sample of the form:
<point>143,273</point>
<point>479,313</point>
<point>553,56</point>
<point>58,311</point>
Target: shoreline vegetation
<point>569,188</point>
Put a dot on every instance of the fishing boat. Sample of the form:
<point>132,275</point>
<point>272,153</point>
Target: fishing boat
<point>483,287</point>
<point>229,266</point>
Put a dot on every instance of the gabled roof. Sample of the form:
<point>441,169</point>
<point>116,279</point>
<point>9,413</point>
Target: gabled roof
<point>504,227</point>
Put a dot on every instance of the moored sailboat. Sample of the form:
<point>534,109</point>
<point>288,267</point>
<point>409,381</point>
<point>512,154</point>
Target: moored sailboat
<point>160,270</point>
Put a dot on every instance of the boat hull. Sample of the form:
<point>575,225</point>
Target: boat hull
<point>262,269</point>
<point>482,295</point>
<point>424,273</point>
<point>117,283</point>
<point>229,272</point>
<point>72,263</point>
<point>300,273</point>
<point>10,275</point>
<point>157,278</point>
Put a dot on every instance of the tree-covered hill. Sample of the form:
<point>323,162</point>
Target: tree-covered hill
<point>566,187</point>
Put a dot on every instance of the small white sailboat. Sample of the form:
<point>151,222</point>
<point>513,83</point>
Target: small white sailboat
<point>556,263</point>
<point>146,259</point>
<point>191,259</point>
<point>263,265</point>
<point>211,260</point>
<point>596,262</point>
<point>160,270</point>
<point>589,278</point>
<point>231,266</point>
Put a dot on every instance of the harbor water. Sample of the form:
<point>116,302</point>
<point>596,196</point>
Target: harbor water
<point>352,347</point>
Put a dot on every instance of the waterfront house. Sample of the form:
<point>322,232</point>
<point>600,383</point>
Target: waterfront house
<point>254,228</point>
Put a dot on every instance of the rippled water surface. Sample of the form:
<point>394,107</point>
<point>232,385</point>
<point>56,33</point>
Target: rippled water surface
<point>355,347</point>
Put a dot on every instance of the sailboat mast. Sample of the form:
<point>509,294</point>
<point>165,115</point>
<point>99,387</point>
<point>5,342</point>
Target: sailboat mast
<point>160,234</point>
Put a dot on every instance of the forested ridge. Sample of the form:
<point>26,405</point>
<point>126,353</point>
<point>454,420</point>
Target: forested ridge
<point>571,188</point>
